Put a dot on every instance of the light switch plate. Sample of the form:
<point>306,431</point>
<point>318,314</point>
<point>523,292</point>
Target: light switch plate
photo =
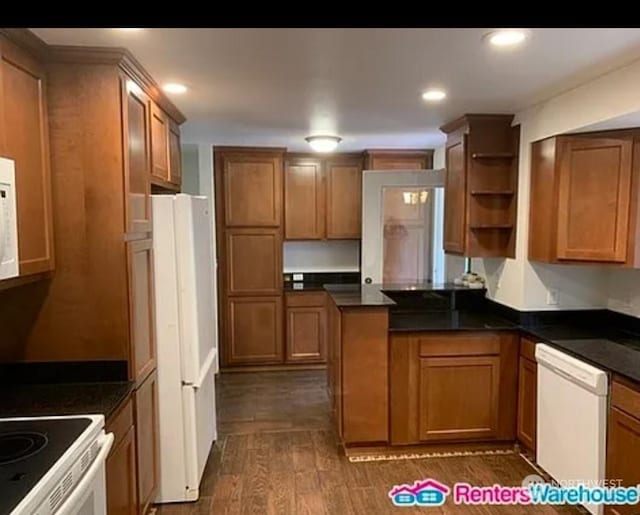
<point>552,297</point>
<point>298,277</point>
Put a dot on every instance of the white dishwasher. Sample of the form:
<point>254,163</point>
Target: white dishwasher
<point>572,419</point>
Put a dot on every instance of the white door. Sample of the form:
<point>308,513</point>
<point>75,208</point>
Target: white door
<point>399,212</point>
<point>195,283</point>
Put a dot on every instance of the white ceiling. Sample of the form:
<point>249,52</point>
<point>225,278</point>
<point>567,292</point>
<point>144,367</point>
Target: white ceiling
<point>276,86</point>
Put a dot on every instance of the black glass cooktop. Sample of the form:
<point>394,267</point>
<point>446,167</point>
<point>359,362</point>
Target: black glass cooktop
<point>28,449</point>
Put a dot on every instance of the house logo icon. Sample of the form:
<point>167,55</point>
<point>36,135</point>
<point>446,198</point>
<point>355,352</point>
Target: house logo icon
<point>428,492</point>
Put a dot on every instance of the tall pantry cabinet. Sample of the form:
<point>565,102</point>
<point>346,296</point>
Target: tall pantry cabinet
<point>100,300</point>
<point>249,185</point>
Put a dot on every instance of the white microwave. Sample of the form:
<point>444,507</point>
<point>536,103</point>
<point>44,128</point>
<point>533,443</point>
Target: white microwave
<point>8,220</point>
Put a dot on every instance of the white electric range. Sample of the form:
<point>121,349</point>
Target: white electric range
<point>53,465</point>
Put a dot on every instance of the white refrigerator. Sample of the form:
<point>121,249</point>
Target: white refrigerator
<point>186,342</point>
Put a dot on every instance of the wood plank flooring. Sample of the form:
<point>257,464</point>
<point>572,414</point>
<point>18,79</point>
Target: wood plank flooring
<point>277,454</point>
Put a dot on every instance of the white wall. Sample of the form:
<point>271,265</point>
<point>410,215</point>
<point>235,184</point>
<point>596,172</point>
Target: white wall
<point>190,169</point>
<point>524,285</point>
<point>321,256</point>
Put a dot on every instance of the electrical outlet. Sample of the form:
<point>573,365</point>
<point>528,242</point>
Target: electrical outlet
<point>552,297</point>
<point>298,277</point>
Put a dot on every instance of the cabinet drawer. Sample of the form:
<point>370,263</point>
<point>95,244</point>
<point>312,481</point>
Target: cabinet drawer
<point>310,299</point>
<point>459,345</point>
<point>625,398</point>
<point>527,348</point>
<point>120,423</point>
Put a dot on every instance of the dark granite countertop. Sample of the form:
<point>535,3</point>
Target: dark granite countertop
<point>449,321</point>
<point>358,295</point>
<point>27,400</point>
<point>367,295</point>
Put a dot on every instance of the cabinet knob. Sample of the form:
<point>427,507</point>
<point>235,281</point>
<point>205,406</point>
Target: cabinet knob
<point>368,280</point>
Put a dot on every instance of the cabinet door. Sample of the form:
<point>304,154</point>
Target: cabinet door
<point>254,261</point>
<point>454,198</point>
<point>136,158</point>
<point>159,143</point>
<point>623,455</point>
<point>147,444</point>
<point>304,200</point>
<point>252,186</point>
<point>175,154</point>
<point>344,199</point>
<point>527,402</point>
<point>24,138</point>
<point>141,309</point>
<point>254,330</point>
<point>306,334</point>
<point>122,486</point>
<point>398,162</point>
<point>593,198</point>
<point>471,384</point>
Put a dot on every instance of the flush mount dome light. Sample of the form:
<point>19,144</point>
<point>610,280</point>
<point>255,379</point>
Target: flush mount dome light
<point>323,143</point>
<point>505,38</point>
<point>174,87</point>
<point>434,95</point>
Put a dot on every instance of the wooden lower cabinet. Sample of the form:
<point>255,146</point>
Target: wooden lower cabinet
<point>623,441</point>
<point>306,328</point>
<point>453,387</point>
<point>147,444</point>
<point>122,483</point>
<point>253,330</point>
<point>527,402</point>
<point>459,397</point>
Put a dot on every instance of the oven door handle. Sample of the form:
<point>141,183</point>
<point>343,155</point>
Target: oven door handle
<point>106,441</point>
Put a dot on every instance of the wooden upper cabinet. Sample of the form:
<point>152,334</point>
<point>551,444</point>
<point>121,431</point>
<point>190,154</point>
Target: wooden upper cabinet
<point>480,192</point>
<point>141,309</point>
<point>398,159</point>
<point>454,198</point>
<point>24,137</point>
<point>136,118</point>
<point>254,261</point>
<point>581,199</point>
<point>344,198</point>
<point>147,442</point>
<point>252,188</point>
<point>159,124</point>
<point>304,199</point>
<point>175,154</point>
<point>253,330</point>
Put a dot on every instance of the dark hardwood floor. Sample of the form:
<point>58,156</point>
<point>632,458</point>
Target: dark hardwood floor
<point>277,454</point>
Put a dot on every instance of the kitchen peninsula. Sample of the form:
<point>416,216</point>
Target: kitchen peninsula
<point>422,364</point>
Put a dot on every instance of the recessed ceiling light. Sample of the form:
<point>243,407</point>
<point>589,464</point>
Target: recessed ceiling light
<point>129,29</point>
<point>323,143</point>
<point>174,87</point>
<point>506,37</point>
<point>434,95</point>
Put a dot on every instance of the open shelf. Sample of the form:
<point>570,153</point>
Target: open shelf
<point>493,155</point>
<point>492,192</point>
<point>490,226</point>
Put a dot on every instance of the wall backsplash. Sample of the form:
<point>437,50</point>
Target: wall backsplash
<point>321,256</point>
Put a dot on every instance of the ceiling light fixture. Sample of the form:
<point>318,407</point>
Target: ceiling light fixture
<point>504,38</point>
<point>434,95</point>
<point>174,87</point>
<point>323,143</point>
<point>128,29</point>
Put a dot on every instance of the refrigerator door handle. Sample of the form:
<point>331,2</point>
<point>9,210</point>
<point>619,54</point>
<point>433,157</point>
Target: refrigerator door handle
<point>204,371</point>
